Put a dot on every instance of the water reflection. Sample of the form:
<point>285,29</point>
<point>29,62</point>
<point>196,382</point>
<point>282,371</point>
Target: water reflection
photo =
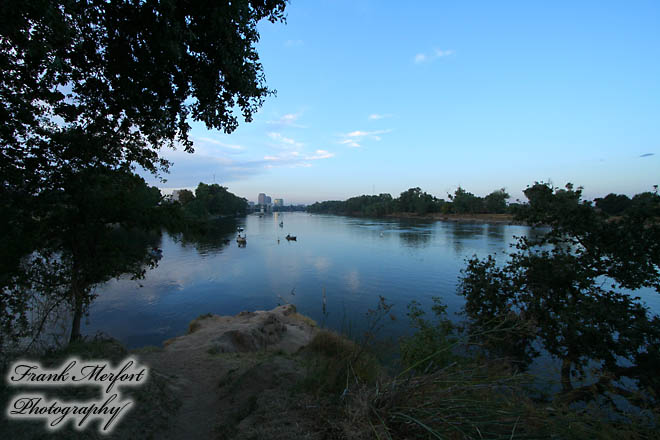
<point>495,231</point>
<point>352,260</point>
<point>209,238</point>
<point>463,234</point>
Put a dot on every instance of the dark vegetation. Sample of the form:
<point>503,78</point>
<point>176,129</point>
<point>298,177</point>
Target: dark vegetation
<point>208,201</point>
<point>418,202</point>
<point>415,201</point>
<point>564,293</point>
<point>90,92</point>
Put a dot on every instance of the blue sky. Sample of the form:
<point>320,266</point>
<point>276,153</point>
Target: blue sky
<point>385,95</point>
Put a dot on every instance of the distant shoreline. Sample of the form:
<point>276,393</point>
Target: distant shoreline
<point>506,219</point>
<point>462,218</point>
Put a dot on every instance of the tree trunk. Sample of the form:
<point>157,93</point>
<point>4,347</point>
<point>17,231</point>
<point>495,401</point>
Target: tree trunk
<point>77,313</point>
<point>566,385</point>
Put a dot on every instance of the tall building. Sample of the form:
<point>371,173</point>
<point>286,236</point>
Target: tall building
<point>261,200</point>
<point>268,200</point>
<point>278,202</point>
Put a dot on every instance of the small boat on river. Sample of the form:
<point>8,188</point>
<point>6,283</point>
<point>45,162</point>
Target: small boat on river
<point>290,237</point>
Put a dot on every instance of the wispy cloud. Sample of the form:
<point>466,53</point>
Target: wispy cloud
<point>205,165</point>
<point>320,154</point>
<point>288,120</point>
<point>377,116</point>
<point>289,155</point>
<point>360,134</point>
<point>285,141</point>
<point>295,158</point>
<point>351,143</point>
<point>222,144</point>
<point>437,53</point>
<point>647,155</point>
<point>354,138</point>
<point>293,43</point>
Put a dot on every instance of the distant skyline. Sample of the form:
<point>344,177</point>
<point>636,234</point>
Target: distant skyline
<point>385,96</point>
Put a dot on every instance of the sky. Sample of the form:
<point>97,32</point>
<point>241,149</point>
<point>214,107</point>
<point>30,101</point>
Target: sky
<point>381,96</point>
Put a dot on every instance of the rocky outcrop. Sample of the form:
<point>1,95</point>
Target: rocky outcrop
<point>279,329</point>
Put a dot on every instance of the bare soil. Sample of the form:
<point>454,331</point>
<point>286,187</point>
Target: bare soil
<point>234,376</point>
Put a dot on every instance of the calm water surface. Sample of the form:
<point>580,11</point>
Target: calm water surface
<point>354,260</point>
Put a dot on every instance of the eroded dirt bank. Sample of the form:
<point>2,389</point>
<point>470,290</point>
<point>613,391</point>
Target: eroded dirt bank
<point>233,375</point>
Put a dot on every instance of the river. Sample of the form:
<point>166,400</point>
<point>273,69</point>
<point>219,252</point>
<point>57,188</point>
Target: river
<point>349,261</point>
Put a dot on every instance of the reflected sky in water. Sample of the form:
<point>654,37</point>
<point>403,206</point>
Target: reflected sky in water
<point>353,259</point>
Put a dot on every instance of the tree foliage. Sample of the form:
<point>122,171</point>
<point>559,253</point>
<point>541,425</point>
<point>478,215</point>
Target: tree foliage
<point>89,91</point>
<point>568,289</point>
<point>464,202</point>
<point>495,202</point>
<point>210,201</point>
<point>613,204</point>
<point>416,201</point>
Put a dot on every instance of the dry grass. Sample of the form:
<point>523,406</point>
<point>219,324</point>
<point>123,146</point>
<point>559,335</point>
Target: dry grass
<point>336,364</point>
<point>196,323</point>
<point>305,319</point>
<point>470,402</point>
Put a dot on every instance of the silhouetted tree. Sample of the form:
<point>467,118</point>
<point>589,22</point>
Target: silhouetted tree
<point>97,88</point>
<point>566,289</point>
<point>495,202</point>
<point>464,202</point>
<point>613,204</point>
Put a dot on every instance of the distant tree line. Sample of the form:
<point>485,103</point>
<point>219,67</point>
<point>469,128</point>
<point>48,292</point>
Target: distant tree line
<point>619,204</point>
<point>418,202</point>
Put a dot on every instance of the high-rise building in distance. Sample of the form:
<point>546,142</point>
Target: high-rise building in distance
<point>278,202</point>
<point>261,200</point>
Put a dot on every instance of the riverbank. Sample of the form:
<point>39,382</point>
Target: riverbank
<point>276,375</point>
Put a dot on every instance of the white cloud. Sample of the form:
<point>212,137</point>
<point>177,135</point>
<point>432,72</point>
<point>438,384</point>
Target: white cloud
<point>293,43</point>
<point>443,53</point>
<point>288,120</point>
<point>354,138</point>
<point>222,144</point>
<point>437,53</point>
<point>285,141</point>
<point>351,143</point>
<point>289,155</point>
<point>360,134</point>
<point>320,154</point>
<point>205,165</point>
<point>376,116</point>
<point>295,159</point>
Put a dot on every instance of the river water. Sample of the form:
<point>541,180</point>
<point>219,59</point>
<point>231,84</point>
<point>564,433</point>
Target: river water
<point>348,261</point>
